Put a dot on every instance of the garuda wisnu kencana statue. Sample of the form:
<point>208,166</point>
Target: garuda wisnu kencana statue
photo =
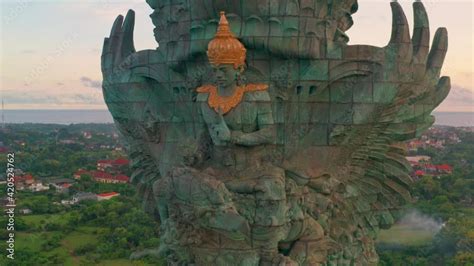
<point>260,137</point>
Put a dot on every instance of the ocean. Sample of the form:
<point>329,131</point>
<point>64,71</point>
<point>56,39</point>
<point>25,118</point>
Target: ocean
<point>65,117</point>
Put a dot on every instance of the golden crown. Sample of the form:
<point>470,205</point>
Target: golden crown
<point>225,48</point>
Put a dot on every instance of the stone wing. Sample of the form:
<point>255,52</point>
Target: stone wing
<point>157,120</point>
<point>344,136</point>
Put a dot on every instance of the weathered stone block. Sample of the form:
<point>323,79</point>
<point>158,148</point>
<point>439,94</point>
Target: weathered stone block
<point>385,92</point>
<point>364,113</point>
<point>314,70</point>
<point>341,92</point>
<point>341,113</point>
<point>363,92</point>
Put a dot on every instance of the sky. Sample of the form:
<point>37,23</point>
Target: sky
<point>50,49</point>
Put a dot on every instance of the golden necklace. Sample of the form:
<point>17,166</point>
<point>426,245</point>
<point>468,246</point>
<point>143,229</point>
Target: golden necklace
<point>227,103</point>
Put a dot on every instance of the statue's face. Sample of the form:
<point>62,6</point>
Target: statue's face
<point>225,75</point>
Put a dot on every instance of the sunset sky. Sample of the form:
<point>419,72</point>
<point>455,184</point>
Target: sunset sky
<point>50,50</point>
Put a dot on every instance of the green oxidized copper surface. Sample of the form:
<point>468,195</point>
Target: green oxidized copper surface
<point>304,173</point>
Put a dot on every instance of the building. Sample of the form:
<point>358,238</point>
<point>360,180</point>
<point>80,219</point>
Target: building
<point>107,196</point>
<point>104,164</point>
<point>38,186</point>
<point>27,181</point>
<point>418,159</point>
<point>79,173</point>
<point>25,211</point>
<point>112,166</point>
<point>104,177</point>
<point>122,179</point>
<point>419,173</point>
<point>87,135</point>
<point>83,196</point>
<point>444,169</point>
<point>23,181</point>
<point>62,185</point>
<point>414,145</point>
<point>431,169</point>
<point>441,169</point>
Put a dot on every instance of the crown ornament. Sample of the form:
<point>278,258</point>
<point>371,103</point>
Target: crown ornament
<point>225,48</point>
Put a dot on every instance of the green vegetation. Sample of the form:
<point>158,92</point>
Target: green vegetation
<point>50,151</point>
<point>448,199</point>
<point>102,233</point>
<point>88,233</point>
<point>405,235</point>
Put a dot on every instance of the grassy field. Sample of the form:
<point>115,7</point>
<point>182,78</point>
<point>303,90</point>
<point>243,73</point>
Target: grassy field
<point>122,262</point>
<point>34,221</point>
<point>78,239</point>
<point>405,235</point>
<point>32,241</point>
<point>35,240</point>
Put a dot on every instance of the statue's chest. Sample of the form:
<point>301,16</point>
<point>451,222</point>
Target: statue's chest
<point>243,117</point>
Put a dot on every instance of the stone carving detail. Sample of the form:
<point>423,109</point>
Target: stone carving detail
<point>296,159</point>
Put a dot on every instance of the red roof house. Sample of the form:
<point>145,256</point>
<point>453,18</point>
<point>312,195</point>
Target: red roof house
<point>26,179</point>
<point>430,168</point>
<point>122,178</point>
<point>444,168</point>
<point>419,173</point>
<point>106,196</point>
<point>102,165</point>
<point>104,177</point>
<point>121,161</point>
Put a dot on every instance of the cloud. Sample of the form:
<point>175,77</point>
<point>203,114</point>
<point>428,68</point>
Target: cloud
<point>461,95</point>
<point>88,82</point>
<point>88,99</point>
<point>48,98</point>
<point>459,100</point>
<point>31,98</point>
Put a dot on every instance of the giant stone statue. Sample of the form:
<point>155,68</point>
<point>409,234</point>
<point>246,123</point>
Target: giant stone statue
<point>260,137</point>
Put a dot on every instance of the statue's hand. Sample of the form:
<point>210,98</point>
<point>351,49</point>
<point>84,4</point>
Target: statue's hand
<point>220,130</point>
<point>123,67</point>
<point>117,48</point>
<point>411,61</point>
<point>236,137</point>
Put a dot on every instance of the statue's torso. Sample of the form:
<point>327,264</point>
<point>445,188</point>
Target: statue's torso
<point>241,118</point>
